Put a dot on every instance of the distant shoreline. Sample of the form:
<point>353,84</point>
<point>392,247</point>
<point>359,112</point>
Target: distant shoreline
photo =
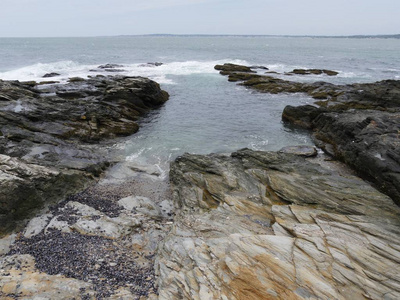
<point>396,36</point>
<point>378,36</point>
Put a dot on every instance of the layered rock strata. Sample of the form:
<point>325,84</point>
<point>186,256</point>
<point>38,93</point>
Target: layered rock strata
<point>356,123</point>
<point>50,135</point>
<point>263,225</point>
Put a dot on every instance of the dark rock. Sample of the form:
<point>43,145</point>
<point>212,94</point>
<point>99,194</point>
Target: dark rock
<point>259,67</point>
<point>47,82</point>
<point>330,72</point>
<point>301,116</point>
<point>110,66</point>
<point>29,83</point>
<point>76,79</point>
<point>50,136</point>
<point>314,72</point>
<point>356,123</point>
<point>25,188</point>
<point>53,74</point>
<point>152,64</point>
<point>233,68</point>
<point>366,140</point>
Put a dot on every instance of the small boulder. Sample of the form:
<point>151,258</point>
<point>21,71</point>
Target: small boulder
<point>233,68</point>
<point>53,74</point>
<point>110,66</point>
<point>76,79</point>
<point>301,116</point>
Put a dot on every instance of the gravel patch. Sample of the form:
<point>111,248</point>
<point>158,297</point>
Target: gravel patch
<point>93,259</point>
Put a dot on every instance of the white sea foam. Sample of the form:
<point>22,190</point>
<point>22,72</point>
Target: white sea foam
<point>68,69</point>
<point>280,68</point>
<point>35,72</point>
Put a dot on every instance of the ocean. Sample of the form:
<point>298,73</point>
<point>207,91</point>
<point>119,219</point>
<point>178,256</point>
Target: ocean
<point>205,113</point>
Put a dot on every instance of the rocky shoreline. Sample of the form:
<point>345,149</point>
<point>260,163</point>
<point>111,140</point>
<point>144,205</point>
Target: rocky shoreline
<point>55,141</point>
<point>358,124</point>
<point>54,137</point>
<point>293,224</point>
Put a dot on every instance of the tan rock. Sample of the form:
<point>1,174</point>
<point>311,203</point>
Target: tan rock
<point>20,277</point>
<point>314,232</point>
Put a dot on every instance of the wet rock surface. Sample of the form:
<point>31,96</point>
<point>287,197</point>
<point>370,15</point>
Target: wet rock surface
<point>52,74</point>
<point>25,188</point>
<point>266,225</point>
<point>313,71</point>
<point>226,68</point>
<point>53,137</point>
<point>356,123</point>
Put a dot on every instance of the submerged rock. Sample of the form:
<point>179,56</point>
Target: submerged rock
<point>110,66</point>
<point>152,64</point>
<point>264,225</point>
<point>52,74</point>
<point>49,136</point>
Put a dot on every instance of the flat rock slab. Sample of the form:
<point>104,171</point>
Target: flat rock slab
<point>265,225</point>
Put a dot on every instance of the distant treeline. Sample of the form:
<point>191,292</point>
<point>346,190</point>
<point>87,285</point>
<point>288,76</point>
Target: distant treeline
<point>381,36</point>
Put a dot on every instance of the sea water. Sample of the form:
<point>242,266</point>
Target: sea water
<point>205,113</point>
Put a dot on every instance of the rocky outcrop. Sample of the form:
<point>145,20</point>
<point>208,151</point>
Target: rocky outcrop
<point>357,123</point>
<point>313,72</point>
<point>50,135</point>
<point>226,68</point>
<point>263,225</point>
<point>360,128</point>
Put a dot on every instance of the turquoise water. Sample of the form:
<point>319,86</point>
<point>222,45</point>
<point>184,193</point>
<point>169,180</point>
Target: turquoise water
<point>205,113</point>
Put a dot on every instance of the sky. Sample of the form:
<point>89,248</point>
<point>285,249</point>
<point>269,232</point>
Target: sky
<point>60,18</point>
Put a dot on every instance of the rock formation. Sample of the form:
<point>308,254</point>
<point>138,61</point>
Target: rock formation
<point>356,123</point>
<point>313,71</point>
<point>49,136</point>
<point>260,225</point>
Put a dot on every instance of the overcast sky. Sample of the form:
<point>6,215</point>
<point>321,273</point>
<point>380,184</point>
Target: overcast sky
<point>43,18</point>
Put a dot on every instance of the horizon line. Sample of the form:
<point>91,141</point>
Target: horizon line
<point>227,35</point>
